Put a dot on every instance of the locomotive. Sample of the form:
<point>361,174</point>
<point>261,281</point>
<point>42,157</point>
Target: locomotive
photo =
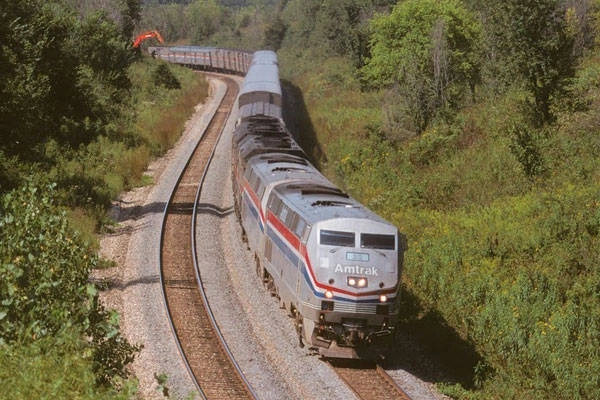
<point>334,265</point>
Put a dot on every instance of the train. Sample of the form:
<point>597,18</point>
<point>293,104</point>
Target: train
<point>334,265</point>
<point>215,59</point>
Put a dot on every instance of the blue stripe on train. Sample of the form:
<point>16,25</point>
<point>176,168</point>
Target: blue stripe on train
<point>253,211</point>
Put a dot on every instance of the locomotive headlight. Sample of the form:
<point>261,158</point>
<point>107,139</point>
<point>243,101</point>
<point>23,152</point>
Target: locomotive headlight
<point>382,298</point>
<point>357,282</point>
<point>329,294</point>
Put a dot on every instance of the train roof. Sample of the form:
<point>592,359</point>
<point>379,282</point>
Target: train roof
<point>252,109</point>
<point>317,202</point>
<point>254,145</point>
<point>264,57</point>
<point>245,130</point>
<point>262,78</point>
<point>272,158</point>
<point>195,49</point>
<point>280,167</point>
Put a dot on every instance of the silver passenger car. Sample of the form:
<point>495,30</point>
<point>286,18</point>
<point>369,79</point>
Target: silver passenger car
<point>261,91</point>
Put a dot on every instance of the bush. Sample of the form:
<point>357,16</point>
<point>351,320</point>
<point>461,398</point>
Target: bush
<point>44,270</point>
<point>162,76</point>
<point>54,368</point>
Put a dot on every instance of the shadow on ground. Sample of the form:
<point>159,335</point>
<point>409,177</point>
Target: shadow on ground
<point>299,123</point>
<point>430,349</point>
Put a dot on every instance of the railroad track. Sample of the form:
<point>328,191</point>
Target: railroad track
<point>368,380</point>
<point>208,359</point>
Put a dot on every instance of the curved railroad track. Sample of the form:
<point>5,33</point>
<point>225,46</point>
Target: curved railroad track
<point>368,380</point>
<point>208,359</point>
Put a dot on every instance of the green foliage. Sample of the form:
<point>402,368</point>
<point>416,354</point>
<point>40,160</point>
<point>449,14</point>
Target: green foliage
<point>44,284</point>
<point>54,368</point>
<point>526,148</point>
<point>131,13</point>
<point>535,325</point>
<point>63,76</point>
<point>203,18</point>
<point>310,26</point>
<point>167,19</point>
<point>426,50</point>
<point>162,76</point>
<point>44,269</point>
<point>274,34</point>
<point>536,40</point>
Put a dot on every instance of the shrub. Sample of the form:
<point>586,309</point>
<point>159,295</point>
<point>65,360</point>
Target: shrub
<point>163,76</point>
<point>44,270</point>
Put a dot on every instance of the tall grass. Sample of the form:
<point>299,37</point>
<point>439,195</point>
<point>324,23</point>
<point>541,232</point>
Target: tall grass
<point>502,258</point>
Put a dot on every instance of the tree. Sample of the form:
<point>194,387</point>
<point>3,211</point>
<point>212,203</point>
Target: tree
<point>131,14</point>
<point>275,33</point>
<point>427,51</point>
<point>333,26</point>
<point>63,76</point>
<point>203,18</point>
<point>533,38</point>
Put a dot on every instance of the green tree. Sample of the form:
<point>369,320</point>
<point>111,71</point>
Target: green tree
<point>427,51</point>
<point>334,27</point>
<point>63,76</point>
<point>167,19</point>
<point>203,19</point>
<point>534,39</point>
<point>131,13</point>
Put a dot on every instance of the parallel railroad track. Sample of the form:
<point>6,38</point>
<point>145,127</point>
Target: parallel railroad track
<point>368,380</point>
<point>208,359</point>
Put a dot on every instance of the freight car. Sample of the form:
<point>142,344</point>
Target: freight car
<point>205,58</point>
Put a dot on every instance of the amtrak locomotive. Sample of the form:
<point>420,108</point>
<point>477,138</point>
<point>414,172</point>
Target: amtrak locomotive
<point>333,264</point>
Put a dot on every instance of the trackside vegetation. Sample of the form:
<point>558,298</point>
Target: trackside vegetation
<point>473,126</point>
<point>490,167</point>
<point>81,116</point>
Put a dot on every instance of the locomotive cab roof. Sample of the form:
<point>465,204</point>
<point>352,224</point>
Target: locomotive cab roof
<point>317,202</point>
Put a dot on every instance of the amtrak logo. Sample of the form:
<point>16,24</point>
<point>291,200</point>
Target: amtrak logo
<point>356,270</point>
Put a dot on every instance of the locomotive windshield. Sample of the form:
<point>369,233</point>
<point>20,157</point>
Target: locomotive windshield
<point>374,241</point>
<point>337,238</point>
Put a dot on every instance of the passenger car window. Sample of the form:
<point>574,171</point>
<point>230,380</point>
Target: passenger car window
<point>375,241</point>
<point>337,238</point>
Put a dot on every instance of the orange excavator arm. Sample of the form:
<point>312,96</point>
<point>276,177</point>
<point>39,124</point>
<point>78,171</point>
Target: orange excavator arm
<point>147,35</point>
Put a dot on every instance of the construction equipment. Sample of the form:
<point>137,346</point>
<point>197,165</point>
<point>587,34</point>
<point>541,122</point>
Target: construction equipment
<point>147,35</point>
